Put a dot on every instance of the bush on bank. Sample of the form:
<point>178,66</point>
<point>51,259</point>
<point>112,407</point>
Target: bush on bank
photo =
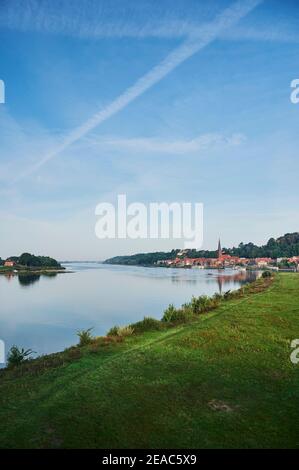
<point>121,331</point>
<point>147,324</point>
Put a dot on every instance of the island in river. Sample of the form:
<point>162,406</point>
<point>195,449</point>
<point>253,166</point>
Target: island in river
<point>31,264</point>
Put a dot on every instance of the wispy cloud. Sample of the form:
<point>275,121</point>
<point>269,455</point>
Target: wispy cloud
<point>223,21</point>
<point>171,146</point>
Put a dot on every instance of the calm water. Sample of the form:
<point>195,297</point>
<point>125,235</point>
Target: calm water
<point>44,312</point>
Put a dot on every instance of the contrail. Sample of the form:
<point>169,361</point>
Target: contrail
<point>211,31</point>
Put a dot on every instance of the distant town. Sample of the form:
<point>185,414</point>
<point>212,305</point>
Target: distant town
<point>228,261</point>
<point>281,254</point>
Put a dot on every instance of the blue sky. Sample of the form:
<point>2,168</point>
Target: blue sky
<point>216,125</point>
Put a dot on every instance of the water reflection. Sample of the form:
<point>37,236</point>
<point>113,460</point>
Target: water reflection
<point>8,276</point>
<point>31,278</point>
<point>238,279</point>
<point>50,275</point>
<point>219,277</point>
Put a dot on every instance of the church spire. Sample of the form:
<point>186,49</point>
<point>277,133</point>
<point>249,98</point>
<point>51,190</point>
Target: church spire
<point>219,249</point>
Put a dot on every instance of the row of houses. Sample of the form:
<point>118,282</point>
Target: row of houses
<point>220,262</point>
<point>224,260</point>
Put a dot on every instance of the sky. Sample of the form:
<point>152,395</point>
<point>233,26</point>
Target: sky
<point>164,101</point>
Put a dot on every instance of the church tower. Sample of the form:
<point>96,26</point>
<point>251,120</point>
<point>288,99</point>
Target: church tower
<point>219,250</point>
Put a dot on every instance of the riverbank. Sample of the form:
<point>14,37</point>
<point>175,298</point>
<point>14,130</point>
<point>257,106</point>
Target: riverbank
<point>222,380</point>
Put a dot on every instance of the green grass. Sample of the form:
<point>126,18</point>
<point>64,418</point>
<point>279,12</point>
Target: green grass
<point>224,380</point>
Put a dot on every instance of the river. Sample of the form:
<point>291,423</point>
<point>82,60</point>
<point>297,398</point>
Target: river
<point>44,312</point>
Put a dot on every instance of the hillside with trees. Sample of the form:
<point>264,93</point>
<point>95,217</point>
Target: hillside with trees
<point>26,259</point>
<point>283,247</point>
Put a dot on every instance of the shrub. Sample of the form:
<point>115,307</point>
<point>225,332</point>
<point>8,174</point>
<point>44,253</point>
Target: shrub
<point>169,313</point>
<point>147,324</point>
<point>113,331</point>
<point>216,300</point>
<point>17,356</point>
<point>85,337</point>
<point>217,296</point>
<point>227,295</point>
<point>121,331</point>
<point>201,304</point>
<point>182,315</point>
<point>266,274</point>
<point>125,331</point>
<point>74,353</point>
<point>112,339</point>
<point>172,314</point>
<point>95,347</point>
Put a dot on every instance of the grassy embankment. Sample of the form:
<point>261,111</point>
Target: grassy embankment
<point>224,380</point>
